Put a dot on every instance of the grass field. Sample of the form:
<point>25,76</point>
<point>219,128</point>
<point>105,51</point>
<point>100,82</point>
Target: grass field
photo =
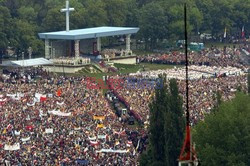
<point>126,69</point>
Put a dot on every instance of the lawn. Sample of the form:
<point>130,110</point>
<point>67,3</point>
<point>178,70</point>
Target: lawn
<point>126,69</point>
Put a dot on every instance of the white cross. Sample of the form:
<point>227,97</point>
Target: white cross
<point>67,10</point>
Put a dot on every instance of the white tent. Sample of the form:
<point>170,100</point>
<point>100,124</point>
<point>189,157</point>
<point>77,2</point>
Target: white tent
<point>28,62</point>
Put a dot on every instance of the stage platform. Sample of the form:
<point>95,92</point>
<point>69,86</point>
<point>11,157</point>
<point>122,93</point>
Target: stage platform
<point>74,67</point>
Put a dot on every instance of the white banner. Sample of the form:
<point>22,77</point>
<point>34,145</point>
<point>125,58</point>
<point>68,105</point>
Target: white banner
<point>111,151</point>
<point>101,136</point>
<point>59,113</point>
<point>12,147</point>
<point>15,96</point>
<point>59,103</point>
<point>25,139</point>
<point>31,104</point>
<point>3,100</point>
<point>92,138</point>
<point>49,131</point>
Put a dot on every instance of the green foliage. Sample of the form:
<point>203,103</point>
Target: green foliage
<point>223,138</point>
<point>157,19</point>
<point>166,127</point>
<point>153,23</point>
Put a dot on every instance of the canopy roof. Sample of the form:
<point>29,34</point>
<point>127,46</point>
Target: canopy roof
<point>27,63</point>
<point>88,33</point>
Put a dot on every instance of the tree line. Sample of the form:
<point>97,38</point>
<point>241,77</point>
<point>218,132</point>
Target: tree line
<point>221,139</point>
<point>167,127</point>
<point>22,20</point>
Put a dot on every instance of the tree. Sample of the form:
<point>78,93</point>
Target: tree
<point>166,127</point>
<point>223,138</point>
<point>54,20</point>
<point>132,17</point>
<point>153,23</point>
<point>174,125</point>
<point>158,109</point>
<point>96,15</point>
<point>5,21</point>
<point>27,13</point>
<point>116,12</point>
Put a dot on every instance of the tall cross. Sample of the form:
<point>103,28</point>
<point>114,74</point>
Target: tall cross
<point>67,10</point>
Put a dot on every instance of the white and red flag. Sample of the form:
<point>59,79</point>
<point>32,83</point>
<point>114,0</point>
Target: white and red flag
<point>243,32</point>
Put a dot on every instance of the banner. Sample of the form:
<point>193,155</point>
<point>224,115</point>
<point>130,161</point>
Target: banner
<point>25,139</point>
<point>59,113</point>
<point>49,131</point>
<point>82,162</point>
<point>101,136</point>
<point>3,100</point>
<point>111,151</point>
<point>98,117</point>
<point>92,138</point>
<point>12,147</point>
<point>15,96</point>
<point>32,104</point>
<point>77,128</point>
<point>59,103</point>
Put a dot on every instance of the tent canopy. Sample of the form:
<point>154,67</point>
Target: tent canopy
<point>88,33</point>
<point>27,63</point>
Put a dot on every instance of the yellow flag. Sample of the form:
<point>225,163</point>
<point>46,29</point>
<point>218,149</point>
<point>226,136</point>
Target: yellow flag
<point>100,125</point>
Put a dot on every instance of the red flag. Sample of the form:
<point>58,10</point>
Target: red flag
<point>59,92</point>
<point>43,98</point>
<point>94,143</point>
<point>29,127</point>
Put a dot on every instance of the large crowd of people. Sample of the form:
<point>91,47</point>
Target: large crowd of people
<point>211,57</point>
<point>58,121</point>
<point>203,88</point>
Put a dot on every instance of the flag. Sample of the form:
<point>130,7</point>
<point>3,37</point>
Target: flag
<point>138,144</point>
<point>93,143</point>
<point>29,127</point>
<point>243,32</point>
<point>129,143</point>
<point>59,92</point>
<point>9,127</point>
<point>4,131</point>
<point>100,125</point>
<point>225,33</point>
<point>43,98</point>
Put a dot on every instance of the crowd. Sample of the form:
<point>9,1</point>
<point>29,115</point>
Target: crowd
<point>72,61</point>
<point>58,121</point>
<point>210,57</point>
<point>202,89</point>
